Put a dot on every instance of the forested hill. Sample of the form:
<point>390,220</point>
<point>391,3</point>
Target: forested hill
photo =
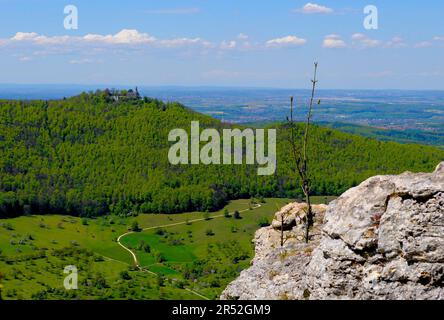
<point>92,155</point>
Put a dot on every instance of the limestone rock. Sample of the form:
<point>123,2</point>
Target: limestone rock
<point>381,240</point>
<point>293,214</point>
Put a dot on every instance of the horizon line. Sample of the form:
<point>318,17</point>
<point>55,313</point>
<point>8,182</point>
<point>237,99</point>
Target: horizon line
<point>173,86</point>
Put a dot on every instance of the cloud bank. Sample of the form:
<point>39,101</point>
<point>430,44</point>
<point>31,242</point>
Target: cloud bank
<point>313,8</point>
<point>286,41</point>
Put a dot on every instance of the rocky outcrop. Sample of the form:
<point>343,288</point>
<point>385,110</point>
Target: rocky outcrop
<point>293,214</point>
<point>381,240</point>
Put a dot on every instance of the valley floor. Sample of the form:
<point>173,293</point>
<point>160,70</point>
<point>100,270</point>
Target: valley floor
<point>183,256</point>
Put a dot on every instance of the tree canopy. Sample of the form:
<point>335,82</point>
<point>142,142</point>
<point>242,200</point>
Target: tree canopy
<point>92,155</point>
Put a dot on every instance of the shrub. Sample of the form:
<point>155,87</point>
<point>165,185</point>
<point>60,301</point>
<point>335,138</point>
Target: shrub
<point>263,222</point>
<point>160,257</point>
<point>160,232</point>
<point>160,281</point>
<point>237,215</point>
<point>74,243</point>
<point>210,233</point>
<point>140,245</point>
<point>8,226</point>
<point>135,226</point>
<point>226,214</point>
<point>215,283</point>
<point>124,275</point>
<point>99,281</point>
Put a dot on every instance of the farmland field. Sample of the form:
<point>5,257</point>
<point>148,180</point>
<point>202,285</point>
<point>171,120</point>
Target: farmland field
<point>191,260</point>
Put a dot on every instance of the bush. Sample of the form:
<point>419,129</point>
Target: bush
<point>124,275</point>
<point>84,221</point>
<point>160,232</point>
<point>210,233</point>
<point>74,243</point>
<point>263,222</point>
<point>99,281</point>
<point>8,226</point>
<point>135,227</point>
<point>215,283</point>
<point>207,216</point>
<point>160,257</point>
<point>226,214</point>
<point>140,245</point>
<point>237,215</point>
<point>160,281</point>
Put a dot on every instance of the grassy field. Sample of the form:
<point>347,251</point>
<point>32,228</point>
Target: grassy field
<point>202,256</point>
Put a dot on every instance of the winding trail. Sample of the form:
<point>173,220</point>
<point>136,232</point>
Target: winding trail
<point>134,256</point>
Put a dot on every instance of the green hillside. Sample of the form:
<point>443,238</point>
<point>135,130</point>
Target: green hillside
<point>435,137</point>
<point>90,155</point>
<point>34,251</point>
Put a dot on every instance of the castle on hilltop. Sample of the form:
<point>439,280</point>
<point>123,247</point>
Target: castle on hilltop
<point>118,95</point>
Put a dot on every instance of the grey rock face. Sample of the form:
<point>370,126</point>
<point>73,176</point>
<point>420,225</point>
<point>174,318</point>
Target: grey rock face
<point>293,214</point>
<point>381,240</point>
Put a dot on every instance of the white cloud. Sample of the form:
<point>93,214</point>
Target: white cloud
<point>364,41</point>
<point>311,8</point>
<point>242,36</point>
<point>180,42</point>
<point>423,44</point>
<point>227,45</point>
<point>333,41</point>
<point>395,42</point>
<point>82,61</point>
<point>286,41</point>
<point>429,43</point>
<point>25,58</point>
<point>25,36</point>
<point>38,39</point>
<point>174,11</point>
<point>124,37</point>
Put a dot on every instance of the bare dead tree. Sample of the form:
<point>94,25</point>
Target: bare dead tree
<point>284,237</point>
<point>300,154</point>
<point>282,230</point>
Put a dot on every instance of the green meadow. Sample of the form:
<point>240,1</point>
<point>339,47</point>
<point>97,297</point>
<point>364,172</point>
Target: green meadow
<point>183,256</point>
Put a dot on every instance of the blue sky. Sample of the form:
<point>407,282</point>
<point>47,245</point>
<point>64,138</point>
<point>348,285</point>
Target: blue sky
<point>224,43</point>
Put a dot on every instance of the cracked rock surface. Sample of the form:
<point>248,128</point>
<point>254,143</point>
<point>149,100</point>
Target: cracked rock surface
<point>381,240</point>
